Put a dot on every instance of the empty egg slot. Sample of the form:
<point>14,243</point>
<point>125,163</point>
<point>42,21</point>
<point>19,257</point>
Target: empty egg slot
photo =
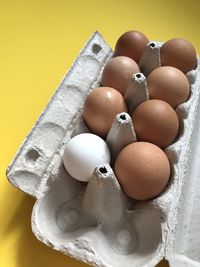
<point>136,241</point>
<point>122,238</point>
<point>58,214</point>
<point>68,217</point>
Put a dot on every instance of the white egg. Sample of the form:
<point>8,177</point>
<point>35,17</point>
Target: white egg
<point>83,153</point>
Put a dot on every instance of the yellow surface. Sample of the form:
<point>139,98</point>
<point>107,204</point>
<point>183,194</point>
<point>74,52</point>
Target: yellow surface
<point>38,42</point>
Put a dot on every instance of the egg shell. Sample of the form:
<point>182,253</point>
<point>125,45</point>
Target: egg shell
<point>178,53</point>
<point>100,108</point>
<point>131,44</point>
<point>168,84</point>
<point>143,170</point>
<point>164,227</point>
<point>117,73</point>
<point>83,153</point>
<point>155,121</point>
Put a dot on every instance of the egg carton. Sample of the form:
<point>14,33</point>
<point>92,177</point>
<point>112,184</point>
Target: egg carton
<point>95,222</point>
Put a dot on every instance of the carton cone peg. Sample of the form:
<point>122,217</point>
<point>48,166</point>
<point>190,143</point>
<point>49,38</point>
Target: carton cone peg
<point>105,202</point>
<point>120,135</point>
<point>136,92</point>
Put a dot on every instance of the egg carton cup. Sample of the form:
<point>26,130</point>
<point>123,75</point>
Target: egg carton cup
<point>96,222</point>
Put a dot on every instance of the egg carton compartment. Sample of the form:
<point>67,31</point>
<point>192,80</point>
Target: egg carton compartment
<point>28,170</point>
<point>96,222</point>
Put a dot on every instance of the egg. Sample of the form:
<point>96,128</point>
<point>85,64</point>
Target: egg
<point>131,44</point>
<point>118,71</point>
<point>155,121</point>
<point>100,108</point>
<point>143,170</point>
<point>83,153</point>
<point>168,84</point>
<point>178,53</point>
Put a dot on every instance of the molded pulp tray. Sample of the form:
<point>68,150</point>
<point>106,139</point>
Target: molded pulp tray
<point>96,222</point>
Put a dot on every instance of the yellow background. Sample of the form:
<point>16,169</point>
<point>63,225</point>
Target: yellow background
<point>38,42</point>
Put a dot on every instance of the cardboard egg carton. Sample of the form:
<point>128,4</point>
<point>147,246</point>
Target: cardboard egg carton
<point>95,222</point>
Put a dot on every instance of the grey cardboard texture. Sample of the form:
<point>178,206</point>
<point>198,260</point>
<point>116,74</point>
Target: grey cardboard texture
<point>95,222</point>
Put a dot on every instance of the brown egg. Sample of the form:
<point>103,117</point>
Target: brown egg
<point>178,53</point>
<point>155,121</point>
<point>131,44</point>
<point>143,170</point>
<point>100,108</point>
<point>168,84</point>
<point>118,72</point>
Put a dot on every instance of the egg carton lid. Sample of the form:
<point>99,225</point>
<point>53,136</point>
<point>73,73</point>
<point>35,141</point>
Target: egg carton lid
<point>32,169</point>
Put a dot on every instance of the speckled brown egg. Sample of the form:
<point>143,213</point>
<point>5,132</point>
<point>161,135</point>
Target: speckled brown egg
<point>178,53</point>
<point>100,108</point>
<point>131,44</point>
<point>155,121</point>
<point>168,84</point>
<point>118,72</point>
<point>143,170</point>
